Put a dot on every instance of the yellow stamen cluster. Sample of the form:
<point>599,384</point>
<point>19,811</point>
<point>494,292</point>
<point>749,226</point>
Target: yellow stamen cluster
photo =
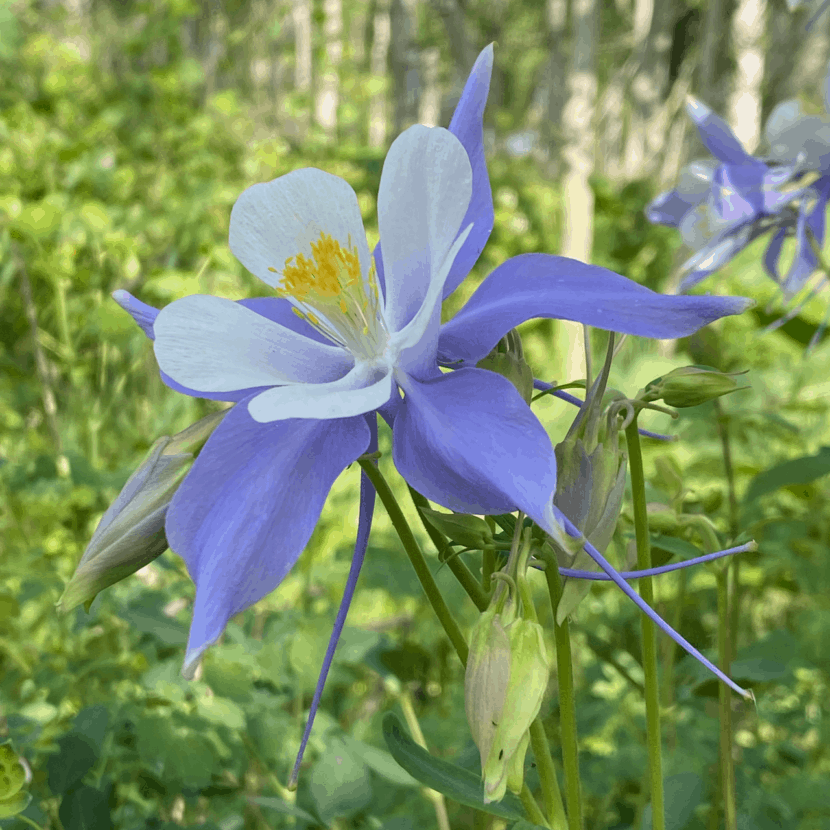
<point>330,283</point>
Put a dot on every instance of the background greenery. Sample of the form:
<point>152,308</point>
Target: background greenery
<point>120,159</point>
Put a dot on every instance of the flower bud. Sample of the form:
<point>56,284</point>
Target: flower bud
<point>691,386</point>
<point>13,798</point>
<point>507,360</point>
<point>527,681</point>
<point>131,532</point>
<point>463,528</point>
<point>486,679</point>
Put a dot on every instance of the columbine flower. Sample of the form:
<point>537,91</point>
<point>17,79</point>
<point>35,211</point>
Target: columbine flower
<point>344,336</point>
<point>720,205</point>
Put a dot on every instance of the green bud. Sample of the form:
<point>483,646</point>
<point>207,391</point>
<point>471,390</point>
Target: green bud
<point>528,679</point>
<point>131,532</point>
<point>507,360</point>
<point>691,386</point>
<point>470,531</point>
<point>486,679</point>
<point>13,798</point>
<point>662,519</point>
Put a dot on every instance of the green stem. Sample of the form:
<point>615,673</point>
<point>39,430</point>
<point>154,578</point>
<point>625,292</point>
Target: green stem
<point>488,561</point>
<point>567,708</point>
<point>547,776</point>
<point>459,568</point>
<point>416,557</point>
<point>727,765</point>
<point>653,735</point>
<point>531,807</point>
<point>27,820</point>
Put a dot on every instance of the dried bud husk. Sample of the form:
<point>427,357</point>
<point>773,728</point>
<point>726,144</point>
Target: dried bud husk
<point>691,386</point>
<point>528,679</point>
<point>14,798</point>
<point>590,484</point>
<point>463,528</point>
<point>131,532</point>
<point>507,360</point>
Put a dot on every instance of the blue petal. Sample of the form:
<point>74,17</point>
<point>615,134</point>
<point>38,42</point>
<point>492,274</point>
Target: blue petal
<point>274,308</point>
<point>805,262</point>
<point>541,285</point>
<point>364,525</point>
<point>246,509</point>
<point>467,126</point>
<point>469,442</point>
<point>669,208</point>
<point>717,135</point>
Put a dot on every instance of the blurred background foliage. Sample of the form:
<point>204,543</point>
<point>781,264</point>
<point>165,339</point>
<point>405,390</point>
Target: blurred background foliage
<point>127,131</point>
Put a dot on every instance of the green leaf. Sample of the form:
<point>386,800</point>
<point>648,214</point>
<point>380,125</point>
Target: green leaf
<point>76,757</point>
<point>86,809</point>
<point>380,762</point>
<point>459,784</point>
<point>280,806</point>
<point>798,471</point>
<point>339,783</point>
<point>681,794</point>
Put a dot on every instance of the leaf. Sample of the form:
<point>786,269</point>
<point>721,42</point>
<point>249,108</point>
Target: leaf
<point>76,757</point>
<point>339,783</point>
<point>86,809</point>
<point>798,471</point>
<point>459,784</point>
<point>380,762</point>
<point>681,794</point>
<point>280,806</point>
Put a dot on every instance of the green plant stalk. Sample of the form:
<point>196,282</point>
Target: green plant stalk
<point>567,708</point>
<point>547,776</point>
<point>462,573</point>
<point>653,734</point>
<point>727,765</point>
<point>531,807</point>
<point>416,557</point>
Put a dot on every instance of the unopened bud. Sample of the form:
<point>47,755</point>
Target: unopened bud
<point>131,532</point>
<point>486,679</point>
<point>470,531</point>
<point>528,679</point>
<point>13,798</point>
<point>691,386</point>
<point>507,360</point>
<point>662,519</point>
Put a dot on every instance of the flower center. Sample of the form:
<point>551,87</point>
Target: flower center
<point>329,291</point>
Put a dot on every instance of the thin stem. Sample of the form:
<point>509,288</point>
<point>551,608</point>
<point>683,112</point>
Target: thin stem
<point>416,557</point>
<point>567,709</point>
<point>462,573</point>
<point>727,765</point>
<point>653,734</point>
<point>531,807</point>
<point>547,776</point>
<point>435,797</point>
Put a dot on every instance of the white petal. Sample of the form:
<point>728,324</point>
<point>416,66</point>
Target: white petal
<point>274,221</point>
<point>364,389</point>
<point>425,190</point>
<point>216,345</point>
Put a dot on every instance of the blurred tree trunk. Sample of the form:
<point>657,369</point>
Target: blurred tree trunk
<point>578,156</point>
<point>429,107</point>
<point>709,81</point>
<point>744,109</point>
<point>786,31</point>
<point>649,123</point>
<point>327,98</point>
<point>810,65</point>
<point>378,102</point>
<point>462,51</point>
<point>404,61</point>
<point>302,60</point>
<point>556,15</point>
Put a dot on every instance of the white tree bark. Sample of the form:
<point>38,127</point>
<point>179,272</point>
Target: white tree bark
<point>404,60</point>
<point>429,106</point>
<point>327,99</point>
<point>578,155</point>
<point>378,102</point>
<point>744,108</point>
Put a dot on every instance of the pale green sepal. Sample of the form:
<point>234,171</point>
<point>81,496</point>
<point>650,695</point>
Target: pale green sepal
<point>15,805</point>
<point>13,798</point>
<point>507,359</point>
<point>516,768</point>
<point>486,679</point>
<point>529,671</point>
<point>691,386</point>
<point>470,531</point>
<point>131,532</point>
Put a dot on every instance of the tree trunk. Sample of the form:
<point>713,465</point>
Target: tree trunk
<point>462,51</point>
<point>578,156</point>
<point>378,102</point>
<point>556,13</point>
<point>429,107</point>
<point>302,61</point>
<point>327,98</point>
<point>404,60</point>
<point>744,109</point>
